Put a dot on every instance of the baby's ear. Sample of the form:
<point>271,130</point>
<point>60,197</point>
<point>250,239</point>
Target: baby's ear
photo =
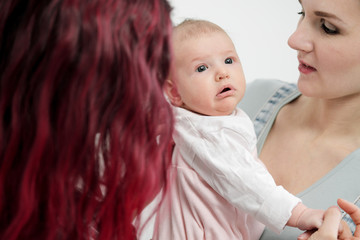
<point>172,93</point>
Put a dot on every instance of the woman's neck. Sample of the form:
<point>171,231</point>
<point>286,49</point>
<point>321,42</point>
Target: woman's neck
<point>334,117</point>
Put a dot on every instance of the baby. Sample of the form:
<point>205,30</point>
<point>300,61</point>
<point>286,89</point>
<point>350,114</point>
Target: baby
<point>221,189</point>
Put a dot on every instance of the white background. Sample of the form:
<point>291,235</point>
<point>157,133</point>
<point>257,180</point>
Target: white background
<point>258,28</point>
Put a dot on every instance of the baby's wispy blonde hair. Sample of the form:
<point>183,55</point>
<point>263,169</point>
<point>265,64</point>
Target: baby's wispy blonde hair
<point>194,28</point>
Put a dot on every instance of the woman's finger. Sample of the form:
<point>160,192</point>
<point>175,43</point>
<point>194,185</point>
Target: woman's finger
<point>306,235</point>
<point>330,228</point>
<point>354,213</point>
<point>345,233</point>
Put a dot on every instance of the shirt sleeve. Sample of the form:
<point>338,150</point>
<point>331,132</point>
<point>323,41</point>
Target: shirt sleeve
<point>233,171</point>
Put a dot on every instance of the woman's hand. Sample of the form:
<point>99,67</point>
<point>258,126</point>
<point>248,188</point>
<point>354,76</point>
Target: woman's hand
<point>354,213</point>
<point>333,228</point>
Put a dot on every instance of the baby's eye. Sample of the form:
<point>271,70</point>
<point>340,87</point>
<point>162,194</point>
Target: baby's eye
<point>201,68</point>
<point>228,61</point>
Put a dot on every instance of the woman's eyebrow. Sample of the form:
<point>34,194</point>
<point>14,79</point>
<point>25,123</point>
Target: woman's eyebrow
<point>327,15</point>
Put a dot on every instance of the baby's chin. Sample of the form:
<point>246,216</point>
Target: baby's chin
<point>223,110</point>
<point>226,109</point>
<point>226,113</point>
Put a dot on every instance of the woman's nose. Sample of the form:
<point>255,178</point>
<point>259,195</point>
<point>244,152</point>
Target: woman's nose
<point>301,39</point>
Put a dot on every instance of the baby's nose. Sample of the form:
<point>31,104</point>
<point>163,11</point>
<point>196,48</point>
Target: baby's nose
<point>222,75</point>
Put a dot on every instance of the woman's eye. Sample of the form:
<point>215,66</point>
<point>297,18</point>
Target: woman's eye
<point>302,13</point>
<point>228,61</point>
<point>328,28</point>
<point>201,68</point>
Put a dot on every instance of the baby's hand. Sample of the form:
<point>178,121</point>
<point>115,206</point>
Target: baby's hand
<point>310,219</point>
<point>306,218</point>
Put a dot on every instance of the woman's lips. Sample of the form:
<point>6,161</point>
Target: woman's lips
<point>305,69</point>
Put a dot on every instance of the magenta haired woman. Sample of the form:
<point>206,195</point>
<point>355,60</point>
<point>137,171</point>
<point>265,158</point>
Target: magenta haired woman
<point>85,128</point>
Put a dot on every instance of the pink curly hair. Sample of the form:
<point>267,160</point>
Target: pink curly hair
<point>84,126</point>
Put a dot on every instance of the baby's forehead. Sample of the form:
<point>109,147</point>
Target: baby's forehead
<point>203,48</point>
<point>196,37</point>
<point>201,41</point>
<point>182,36</point>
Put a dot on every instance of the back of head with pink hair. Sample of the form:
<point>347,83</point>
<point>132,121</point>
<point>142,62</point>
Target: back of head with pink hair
<point>84,126</point>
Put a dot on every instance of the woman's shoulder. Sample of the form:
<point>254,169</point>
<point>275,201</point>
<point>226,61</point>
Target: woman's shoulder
<point>271,84</point>
<point>260,91</point>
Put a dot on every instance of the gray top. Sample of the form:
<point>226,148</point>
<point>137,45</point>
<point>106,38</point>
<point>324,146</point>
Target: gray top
<point>262,101</point>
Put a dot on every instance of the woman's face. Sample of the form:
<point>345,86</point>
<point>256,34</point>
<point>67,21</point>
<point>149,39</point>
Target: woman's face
<point>328,43</point>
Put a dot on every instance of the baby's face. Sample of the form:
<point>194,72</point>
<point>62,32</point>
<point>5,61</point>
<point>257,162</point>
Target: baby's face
<point>208,74</point>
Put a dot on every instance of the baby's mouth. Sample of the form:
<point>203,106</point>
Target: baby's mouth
<point>225,90</point>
